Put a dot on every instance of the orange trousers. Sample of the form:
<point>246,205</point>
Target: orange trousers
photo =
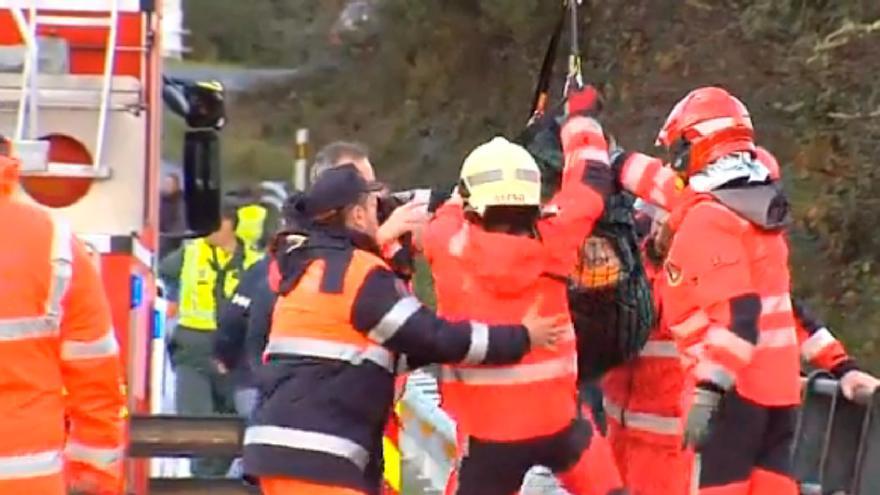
<point>650,467</point>
<point>293,486</point>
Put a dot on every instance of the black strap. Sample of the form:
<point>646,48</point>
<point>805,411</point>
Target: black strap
<point>542,90</point>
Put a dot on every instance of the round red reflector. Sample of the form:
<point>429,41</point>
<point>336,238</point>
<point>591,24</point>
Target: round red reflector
<point>58,191</point>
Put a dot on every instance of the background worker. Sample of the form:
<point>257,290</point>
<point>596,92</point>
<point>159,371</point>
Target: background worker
<point>491,251</point>
<point>340,321</point>
<point>200,276</point>
<point>55,335</point>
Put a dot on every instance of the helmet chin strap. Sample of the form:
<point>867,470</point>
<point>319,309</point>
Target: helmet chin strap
<point>681,155</point>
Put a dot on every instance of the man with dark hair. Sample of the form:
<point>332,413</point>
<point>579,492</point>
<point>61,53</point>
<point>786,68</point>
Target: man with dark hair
<point>200,276</point>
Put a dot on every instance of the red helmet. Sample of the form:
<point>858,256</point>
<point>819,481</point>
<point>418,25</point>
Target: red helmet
<point>769,161</point>
<point>705,125</point>
<point>9,168</point>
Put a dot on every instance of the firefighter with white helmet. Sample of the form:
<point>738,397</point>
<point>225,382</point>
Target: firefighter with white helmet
<point>493,249</point>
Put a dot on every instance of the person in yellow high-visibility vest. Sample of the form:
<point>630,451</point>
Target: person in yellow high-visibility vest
<point>253,225</point>
<point>200,276</point>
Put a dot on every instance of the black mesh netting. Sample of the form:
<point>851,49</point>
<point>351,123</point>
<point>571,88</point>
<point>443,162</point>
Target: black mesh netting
<point>609,294</point>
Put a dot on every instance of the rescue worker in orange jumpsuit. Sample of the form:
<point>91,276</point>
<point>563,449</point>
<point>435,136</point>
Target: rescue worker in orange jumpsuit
<point>340,325</point>
<point>642,397</point>
<point>727,298</point>
<point>490,254</point>
<point>55,336</point>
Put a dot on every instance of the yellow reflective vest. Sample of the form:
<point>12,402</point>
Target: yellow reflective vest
<point>209,274</point>
<point>251,224</point>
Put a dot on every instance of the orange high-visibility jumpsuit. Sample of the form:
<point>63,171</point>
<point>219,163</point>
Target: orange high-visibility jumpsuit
<point>512,417</point>
<point>644,410</point>
<point>55,335</point>
<point>728,304</point>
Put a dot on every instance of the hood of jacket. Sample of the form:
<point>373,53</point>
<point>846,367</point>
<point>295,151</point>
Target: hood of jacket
<point>506,264</point>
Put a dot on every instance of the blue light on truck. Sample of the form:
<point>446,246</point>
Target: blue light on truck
<point>137,291</point>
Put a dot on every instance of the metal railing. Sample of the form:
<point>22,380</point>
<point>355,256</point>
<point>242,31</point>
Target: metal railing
<point>837,442</point>
<point>837,447</point>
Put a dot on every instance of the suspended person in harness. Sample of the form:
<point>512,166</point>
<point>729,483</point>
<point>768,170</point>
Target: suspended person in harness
<point>608,291</point>
<point>490,253</point>
<point>56,335</point>
<point>340,327</point>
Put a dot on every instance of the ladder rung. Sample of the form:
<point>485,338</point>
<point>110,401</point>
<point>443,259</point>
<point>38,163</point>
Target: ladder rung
<point>58,20</point>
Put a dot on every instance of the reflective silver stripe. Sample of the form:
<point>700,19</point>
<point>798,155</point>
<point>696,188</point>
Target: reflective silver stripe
<point>723,338</point>
<point>394,319</point>
<point>479,343</point>
<point>660,349</point>
<point>62,269</point>
<point>303,346</point>
<point>101,458</point>
<point>62,266</point>
<point>104,346</point>
<point>817,343</point>
<point>779,337</point>
<point>31,465</point>
<point>293,438</point>
<point>713,372</point>
<point>27,328</point>
<point>694,323</point>
<point>651,423</point>
<point>512,375</point>
<point>776,304</point>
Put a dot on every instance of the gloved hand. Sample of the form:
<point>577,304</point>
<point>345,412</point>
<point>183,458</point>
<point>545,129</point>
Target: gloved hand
<point>600,178</point>
<point>699,420</point>
<point>582,101</point>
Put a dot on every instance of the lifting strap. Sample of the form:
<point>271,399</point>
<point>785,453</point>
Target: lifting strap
<point>542,89</point>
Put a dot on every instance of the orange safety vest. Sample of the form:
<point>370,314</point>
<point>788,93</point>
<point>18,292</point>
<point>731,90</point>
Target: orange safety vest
<point>715,255</point>
<point>319,437</point>
<point>55,335</point>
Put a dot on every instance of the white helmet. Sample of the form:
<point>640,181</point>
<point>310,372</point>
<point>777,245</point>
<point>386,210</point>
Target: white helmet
<point>500,173</point>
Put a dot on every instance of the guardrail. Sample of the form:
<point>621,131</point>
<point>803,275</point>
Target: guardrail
<point>837,447</point>
<point>837,442</point>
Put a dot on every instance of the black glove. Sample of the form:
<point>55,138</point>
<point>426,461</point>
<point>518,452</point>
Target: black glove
<point>699,420</point>
<point>600,178</point>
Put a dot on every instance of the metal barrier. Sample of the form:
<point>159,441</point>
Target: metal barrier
<point>178,436</point>
<point>837,442</point>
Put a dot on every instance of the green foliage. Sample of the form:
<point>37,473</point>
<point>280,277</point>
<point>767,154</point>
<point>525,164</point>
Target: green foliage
<point>442,77</point>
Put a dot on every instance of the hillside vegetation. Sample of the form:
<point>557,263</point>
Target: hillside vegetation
<point>422,82</point>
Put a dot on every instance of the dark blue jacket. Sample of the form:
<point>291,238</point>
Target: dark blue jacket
<point>244,324</point>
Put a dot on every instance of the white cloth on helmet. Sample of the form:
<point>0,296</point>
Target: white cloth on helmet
<point>729,168</point>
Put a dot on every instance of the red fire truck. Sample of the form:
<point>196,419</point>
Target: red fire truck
<point>81,93</point>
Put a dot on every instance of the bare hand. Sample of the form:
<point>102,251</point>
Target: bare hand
<point>405,218</point>
<point>544,331</point>
<point>858,382</point>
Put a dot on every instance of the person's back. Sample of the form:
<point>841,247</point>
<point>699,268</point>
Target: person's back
<point>491,252</point>
<point>55,338</point>
<point>492,278</point>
